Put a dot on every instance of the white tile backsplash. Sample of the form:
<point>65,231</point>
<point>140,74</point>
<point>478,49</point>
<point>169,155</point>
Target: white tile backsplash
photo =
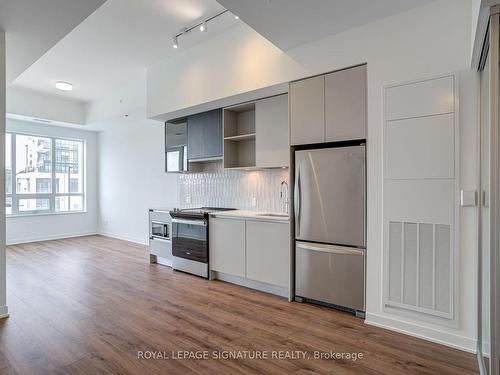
<point>219,187</point>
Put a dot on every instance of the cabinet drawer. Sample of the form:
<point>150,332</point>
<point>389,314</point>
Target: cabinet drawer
<point>160,248</point>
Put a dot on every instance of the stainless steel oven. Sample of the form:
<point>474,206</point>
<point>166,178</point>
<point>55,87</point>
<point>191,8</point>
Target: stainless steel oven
<point>190,245</point>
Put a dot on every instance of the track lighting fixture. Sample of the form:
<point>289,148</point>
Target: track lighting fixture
<point>202,26</point>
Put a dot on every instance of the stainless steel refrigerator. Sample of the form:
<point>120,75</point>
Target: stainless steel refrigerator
<point>330,222</point>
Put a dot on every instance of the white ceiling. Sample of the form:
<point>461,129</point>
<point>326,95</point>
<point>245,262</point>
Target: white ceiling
<point>289,23</point>
<point>33,26</point>
<point>117,42</point>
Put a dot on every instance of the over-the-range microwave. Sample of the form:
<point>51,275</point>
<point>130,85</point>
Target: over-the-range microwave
<point>176,147</point>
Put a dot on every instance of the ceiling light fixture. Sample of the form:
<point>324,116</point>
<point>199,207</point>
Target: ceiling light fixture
<point>236,17</point>
<point>64,86</point>
<point>202,26</point>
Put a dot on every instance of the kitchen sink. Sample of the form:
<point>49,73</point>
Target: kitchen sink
<point>273,215</point>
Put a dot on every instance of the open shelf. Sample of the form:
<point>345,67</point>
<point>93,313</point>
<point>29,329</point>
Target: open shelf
<point>239,154</point>
<point>239,138</point>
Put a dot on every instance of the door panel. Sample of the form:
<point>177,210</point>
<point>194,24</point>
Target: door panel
<point>307,111</point>
<point>204,134</point>
<point>271,131</point>
<point>227,246</point>
<point>425,98</point>
<point>330,195</point>
<point>268,252</point>
<point>345,104</point>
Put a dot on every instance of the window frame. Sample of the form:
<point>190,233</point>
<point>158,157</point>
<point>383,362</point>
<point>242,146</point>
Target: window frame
<point>15,197</point>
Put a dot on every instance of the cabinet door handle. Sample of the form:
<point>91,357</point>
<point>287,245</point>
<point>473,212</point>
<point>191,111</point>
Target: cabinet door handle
<point>297,198</point>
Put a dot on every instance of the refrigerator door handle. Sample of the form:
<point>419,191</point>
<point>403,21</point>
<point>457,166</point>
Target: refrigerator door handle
<point>334,249</point>
<point>297,198</point>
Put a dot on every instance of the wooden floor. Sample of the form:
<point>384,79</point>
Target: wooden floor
<point>90,305</point>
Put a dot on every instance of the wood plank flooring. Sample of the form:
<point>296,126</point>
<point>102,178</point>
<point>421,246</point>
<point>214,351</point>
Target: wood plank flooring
<point>88,305</point>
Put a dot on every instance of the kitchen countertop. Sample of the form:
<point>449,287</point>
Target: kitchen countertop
<point>252,215</point>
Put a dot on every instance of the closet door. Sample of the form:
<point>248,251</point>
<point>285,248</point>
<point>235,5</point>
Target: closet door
<point>489,219</point>
<point>420,186</point>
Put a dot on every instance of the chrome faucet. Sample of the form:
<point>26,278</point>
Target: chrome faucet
<point>284,195</point>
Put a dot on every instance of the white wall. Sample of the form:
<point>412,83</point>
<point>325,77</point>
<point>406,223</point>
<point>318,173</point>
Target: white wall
<point>37,228</point>
<point>426,41</point>
<point>3,300</point>
<point>132,175</point>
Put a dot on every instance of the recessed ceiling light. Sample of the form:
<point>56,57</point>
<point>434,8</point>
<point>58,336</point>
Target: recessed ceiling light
<point>203,26</point>
<point>174,42</point>
<point>236,17</point>
<point>64,86</point>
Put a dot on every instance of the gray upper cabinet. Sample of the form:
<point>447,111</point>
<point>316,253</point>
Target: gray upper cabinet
<point>345,104</point>
<point>204,132</point>
<point>271,128</point>
<point>307,111</point>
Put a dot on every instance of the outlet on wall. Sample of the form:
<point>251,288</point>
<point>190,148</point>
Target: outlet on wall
<point>254,202</point>
<point>188,199</point>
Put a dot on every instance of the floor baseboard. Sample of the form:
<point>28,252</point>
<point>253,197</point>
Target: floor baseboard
<point>48,238</point>
<point>123,238</point>
<point>4,312</point>
<point>411,329</point>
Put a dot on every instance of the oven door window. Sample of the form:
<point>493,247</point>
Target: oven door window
<point>190,242</point>
<point>160,230</point>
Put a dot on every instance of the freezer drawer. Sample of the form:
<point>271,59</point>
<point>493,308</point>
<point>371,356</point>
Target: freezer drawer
<point>331,274</point>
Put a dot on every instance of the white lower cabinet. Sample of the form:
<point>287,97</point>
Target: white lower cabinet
<point>227,246</point>
<point>268,252</point>
<point>254,250</point>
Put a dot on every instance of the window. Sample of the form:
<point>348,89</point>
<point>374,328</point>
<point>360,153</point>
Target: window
<point>43,174</point>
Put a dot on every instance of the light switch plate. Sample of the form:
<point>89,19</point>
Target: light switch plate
<point>468,198</point>
<point>254,202</point>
